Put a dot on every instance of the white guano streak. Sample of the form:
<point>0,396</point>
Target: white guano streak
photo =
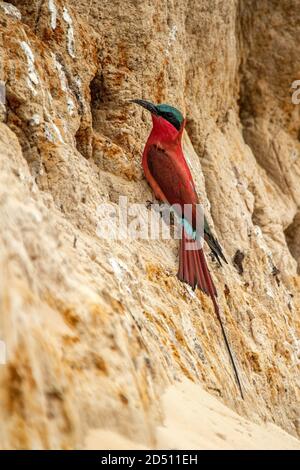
<point>64,84</point>
<point>171,38</point>
<point>53,13</point>
<point>33,78</point>
<point>71,41</point>
<point>11,10</point>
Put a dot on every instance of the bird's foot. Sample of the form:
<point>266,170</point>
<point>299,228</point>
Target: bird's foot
<point>149,204</point>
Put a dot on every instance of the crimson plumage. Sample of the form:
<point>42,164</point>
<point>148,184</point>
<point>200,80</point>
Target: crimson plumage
<point>169,176</point>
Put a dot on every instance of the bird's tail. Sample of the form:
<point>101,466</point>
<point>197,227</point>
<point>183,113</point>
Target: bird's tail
<point>194,271</point>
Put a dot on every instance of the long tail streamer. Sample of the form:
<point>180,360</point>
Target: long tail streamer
<point>194,271</point>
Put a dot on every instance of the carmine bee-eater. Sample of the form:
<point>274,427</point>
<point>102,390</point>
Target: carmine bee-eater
<point>169,176</point>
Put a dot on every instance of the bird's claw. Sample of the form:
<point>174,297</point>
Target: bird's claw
<point>149,204</point>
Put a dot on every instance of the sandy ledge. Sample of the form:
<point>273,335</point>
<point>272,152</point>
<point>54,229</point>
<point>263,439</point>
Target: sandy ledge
<point>194,419</point>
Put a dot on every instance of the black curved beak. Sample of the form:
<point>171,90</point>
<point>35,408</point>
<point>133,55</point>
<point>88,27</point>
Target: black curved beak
<point>147,105</point>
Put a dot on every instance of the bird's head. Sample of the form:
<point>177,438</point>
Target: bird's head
<point>165,111</point>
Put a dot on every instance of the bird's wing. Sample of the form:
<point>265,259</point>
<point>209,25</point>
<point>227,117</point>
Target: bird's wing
<point>166,174</point>
<point>178,188</point>
<point>173,180</point>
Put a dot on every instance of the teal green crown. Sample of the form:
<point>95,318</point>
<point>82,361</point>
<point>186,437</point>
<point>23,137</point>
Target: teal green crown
<point>171,114</point>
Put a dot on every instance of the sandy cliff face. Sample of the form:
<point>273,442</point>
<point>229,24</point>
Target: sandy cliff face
<point>96,329</point>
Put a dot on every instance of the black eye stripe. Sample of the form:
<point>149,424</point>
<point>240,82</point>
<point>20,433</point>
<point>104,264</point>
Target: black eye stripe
<point>171,118</point>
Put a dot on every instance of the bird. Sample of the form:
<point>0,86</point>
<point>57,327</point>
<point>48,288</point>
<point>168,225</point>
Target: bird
<point>170,178</point>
